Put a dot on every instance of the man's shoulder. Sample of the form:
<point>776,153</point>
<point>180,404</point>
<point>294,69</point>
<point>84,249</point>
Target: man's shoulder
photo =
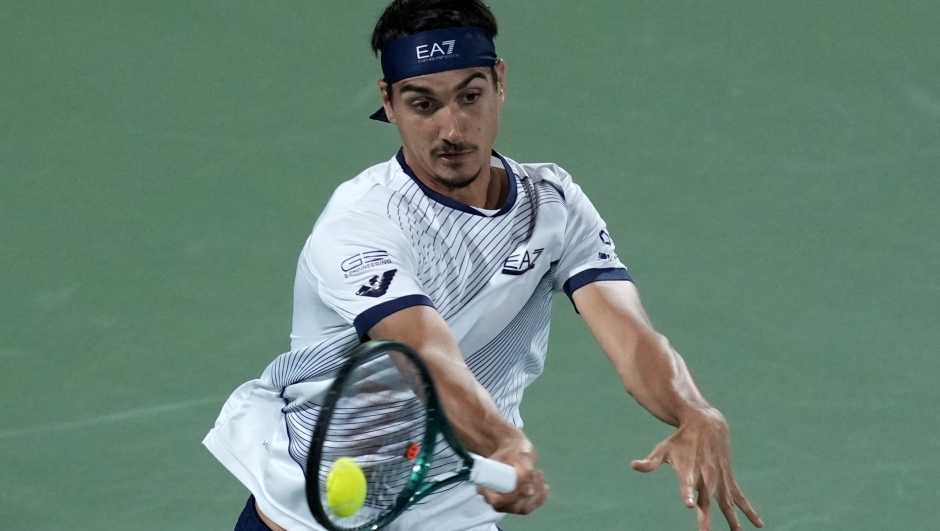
<point>369,190</point>
<point>544,173</point>
<point>541,171</point>
<point>358,210</point>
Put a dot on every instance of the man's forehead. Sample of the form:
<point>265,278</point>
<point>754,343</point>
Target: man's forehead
<point>447,80</point>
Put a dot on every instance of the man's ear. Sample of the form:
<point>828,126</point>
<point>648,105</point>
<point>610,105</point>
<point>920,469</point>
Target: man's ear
<point>386,102</point>
<point>501,79</point>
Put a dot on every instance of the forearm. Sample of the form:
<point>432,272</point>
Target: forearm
<point>650,369</point>
<point>470,410</point>
<point>658,378</point>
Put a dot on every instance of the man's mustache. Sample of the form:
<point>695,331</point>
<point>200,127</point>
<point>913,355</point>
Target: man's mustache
<point>449,149</point>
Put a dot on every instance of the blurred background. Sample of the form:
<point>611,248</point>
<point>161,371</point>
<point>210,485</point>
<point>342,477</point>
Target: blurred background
<point>769,171</point>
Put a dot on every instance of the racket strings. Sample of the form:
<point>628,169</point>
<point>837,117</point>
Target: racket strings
<point>377,421</point>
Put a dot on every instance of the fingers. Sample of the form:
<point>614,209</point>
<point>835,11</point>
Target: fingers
<point>746,508</point>
<point>687,476</point>
<point>516,504</point>
<point>729,499</point>
<point>526,505</point>
<point>529,495</point>
<point>704,510</point>
<point>726,504</point>
<point>699,451</point>
<point>652,461</point>
<point>687,487</point>
<point>709,480</point>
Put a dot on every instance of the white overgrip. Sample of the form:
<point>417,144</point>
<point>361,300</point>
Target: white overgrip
<point>493,475</point>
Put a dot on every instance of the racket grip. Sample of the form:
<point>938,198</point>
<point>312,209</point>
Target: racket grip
<point>493,475</point>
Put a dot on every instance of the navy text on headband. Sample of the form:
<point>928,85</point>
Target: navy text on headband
<point>430,52</point>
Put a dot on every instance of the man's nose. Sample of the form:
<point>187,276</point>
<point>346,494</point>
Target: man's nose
<point>450,124</point>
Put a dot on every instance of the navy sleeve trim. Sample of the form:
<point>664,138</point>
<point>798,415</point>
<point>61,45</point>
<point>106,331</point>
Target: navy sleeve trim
<point>369,318</point>
<point>585,277</point>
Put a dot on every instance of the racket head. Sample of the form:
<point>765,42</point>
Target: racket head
<point>382,411</point>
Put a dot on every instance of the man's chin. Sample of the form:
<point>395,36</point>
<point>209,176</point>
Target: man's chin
<point>457,179</point>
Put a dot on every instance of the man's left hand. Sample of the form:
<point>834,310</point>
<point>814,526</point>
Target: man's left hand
<point>700,452</point>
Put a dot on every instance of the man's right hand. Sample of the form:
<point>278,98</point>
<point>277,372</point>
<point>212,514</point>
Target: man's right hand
<point>531,489</point>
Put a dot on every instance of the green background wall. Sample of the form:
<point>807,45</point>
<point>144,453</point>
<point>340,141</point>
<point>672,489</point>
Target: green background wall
<point>769,171</point>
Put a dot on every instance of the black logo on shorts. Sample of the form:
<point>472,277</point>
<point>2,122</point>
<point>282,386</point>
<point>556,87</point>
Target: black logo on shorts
<point>378,285</point>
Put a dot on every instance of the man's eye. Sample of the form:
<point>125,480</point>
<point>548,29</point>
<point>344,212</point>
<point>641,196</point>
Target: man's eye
<point>421,105</point>
<point>472,97</point>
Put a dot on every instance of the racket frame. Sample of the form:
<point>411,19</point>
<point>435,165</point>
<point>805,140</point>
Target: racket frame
<point>418,485</point>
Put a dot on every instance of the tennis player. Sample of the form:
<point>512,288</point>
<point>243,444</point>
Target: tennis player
<point>456,250</point>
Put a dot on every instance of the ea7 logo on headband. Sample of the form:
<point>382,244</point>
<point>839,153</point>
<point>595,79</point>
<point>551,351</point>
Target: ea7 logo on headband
<point>435,49</point>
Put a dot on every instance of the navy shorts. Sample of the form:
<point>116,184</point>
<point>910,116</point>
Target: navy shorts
<point>249,519</point>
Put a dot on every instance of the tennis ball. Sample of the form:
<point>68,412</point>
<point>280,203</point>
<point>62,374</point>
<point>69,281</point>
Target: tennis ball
<point>345,487</point>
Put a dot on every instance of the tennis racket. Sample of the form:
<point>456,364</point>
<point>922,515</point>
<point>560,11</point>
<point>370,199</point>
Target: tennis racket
<point>383,412</point>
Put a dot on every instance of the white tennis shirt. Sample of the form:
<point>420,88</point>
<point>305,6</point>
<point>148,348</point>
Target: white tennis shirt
<point>386,242</point>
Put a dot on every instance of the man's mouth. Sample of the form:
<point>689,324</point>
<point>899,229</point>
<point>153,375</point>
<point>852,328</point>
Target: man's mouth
<point>455,157</point>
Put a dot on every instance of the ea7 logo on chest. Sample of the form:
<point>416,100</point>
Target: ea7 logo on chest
<point>519,263</point>
<point>378,285</point>
<point>435,51</point>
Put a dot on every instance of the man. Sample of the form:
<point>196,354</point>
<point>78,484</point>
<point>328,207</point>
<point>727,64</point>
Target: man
<point>456,250</point>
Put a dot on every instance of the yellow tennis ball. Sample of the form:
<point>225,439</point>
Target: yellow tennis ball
<point>345,487</point>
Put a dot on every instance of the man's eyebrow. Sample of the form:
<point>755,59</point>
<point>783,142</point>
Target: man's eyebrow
<point>421,89</point>
<point>463,84</point>
<point>408,87</point>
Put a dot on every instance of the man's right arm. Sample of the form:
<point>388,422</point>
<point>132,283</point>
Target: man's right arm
<point>469,407</point>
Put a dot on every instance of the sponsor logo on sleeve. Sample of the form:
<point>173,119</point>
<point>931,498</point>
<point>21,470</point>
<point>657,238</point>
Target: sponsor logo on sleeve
<point>378,285</point>
<point>519,263</point>
<point>605,237</point>
<point>363,261</point>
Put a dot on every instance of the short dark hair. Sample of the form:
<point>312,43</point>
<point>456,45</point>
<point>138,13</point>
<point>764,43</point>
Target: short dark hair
<point>403,18</point>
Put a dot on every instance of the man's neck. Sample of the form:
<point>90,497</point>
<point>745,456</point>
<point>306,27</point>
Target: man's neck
<point>488,191</point>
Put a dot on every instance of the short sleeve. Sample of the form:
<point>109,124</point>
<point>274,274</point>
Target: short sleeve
<point>589,253</point>
<point>363,268</point>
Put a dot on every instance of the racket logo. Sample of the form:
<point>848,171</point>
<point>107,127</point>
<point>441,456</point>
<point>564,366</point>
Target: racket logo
<point>412,451</point>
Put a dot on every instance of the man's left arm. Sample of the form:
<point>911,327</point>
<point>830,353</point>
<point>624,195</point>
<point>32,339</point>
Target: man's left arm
<point>658,378</point>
